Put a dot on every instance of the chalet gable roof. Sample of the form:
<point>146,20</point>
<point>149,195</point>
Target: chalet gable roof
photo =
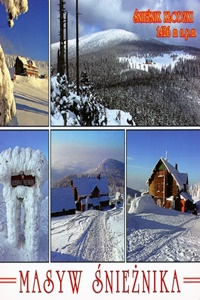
<point>86,185</point>
<point>180,178</point>
<point>26,62</point>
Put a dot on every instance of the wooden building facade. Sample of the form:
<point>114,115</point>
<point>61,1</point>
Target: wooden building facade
<point>26,67</point>
<point>168,187</point>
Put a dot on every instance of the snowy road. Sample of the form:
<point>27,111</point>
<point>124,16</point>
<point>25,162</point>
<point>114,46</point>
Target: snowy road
<point>89,236</point>
<point>163,235</point>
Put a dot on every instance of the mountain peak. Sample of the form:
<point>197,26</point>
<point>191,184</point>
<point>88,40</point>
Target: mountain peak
<point>97,41</point>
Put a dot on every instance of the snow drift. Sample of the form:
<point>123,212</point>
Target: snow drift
<point>159,234</point>
<point>7,101</point>
<point>14,8</point>
<point>142,204</point>
<point>23,198</point>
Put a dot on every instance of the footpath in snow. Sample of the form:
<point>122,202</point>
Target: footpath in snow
<point>89,236</point>
<point>158,234</point>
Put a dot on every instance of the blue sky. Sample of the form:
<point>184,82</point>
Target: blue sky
<point>76,151</point>
<point>145,147</point>
<point>117,14</point>
<point>35,139</point>
<point>30,34</point>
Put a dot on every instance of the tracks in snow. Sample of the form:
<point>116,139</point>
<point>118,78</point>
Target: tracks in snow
<point>158,241</point>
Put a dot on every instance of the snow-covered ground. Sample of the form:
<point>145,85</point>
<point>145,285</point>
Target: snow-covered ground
<point>31,96</point>
<point>89,236</point>
<point>158,62</point>
<point>158,234</point>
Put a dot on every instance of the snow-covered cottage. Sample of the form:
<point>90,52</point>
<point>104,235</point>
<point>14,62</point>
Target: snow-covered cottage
<point>169,187</point>
<point>90,192</point>
<point>62,202</point>
<point>26,67</point>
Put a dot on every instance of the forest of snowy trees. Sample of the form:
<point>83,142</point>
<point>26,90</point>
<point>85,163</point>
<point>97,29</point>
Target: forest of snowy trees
<point>166,97</point>
<point>83,109</point>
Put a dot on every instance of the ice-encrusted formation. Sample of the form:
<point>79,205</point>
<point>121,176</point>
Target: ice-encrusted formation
<point>7,100</point>
<point>23,202</point>
<point>14,8</point>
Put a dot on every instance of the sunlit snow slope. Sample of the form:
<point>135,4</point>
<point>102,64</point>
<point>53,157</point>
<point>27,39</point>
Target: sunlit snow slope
<point>96,41</point>
<point>158,234</point>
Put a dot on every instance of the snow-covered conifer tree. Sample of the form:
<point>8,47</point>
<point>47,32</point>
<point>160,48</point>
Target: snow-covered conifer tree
<point>7,101</point>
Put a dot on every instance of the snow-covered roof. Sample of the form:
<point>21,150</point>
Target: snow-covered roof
<point>23,60</point>
<point>170,198</point>
<point>95,201</point>
<point>62,198</point>
<point>26,160</point>
<point>86,185</point>
<point>186,196</point>
<point>26,61</point>
<point>180,178</point>
<point>32,62</point>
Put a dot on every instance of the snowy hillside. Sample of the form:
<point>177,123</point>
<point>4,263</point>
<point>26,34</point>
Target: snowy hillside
<point>158,234</point>
<point>159,62</point>
<point>96,41</point>
<point>89,236</point>
<point>112,169</point>
<point>195,192</point>
<point>109,168</point>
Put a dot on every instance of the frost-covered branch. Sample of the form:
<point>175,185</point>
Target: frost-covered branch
<point>14,8</point>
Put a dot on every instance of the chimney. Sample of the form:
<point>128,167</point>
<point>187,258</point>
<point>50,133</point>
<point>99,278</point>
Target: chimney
<point>176,167</point>
<point>99,176</point>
